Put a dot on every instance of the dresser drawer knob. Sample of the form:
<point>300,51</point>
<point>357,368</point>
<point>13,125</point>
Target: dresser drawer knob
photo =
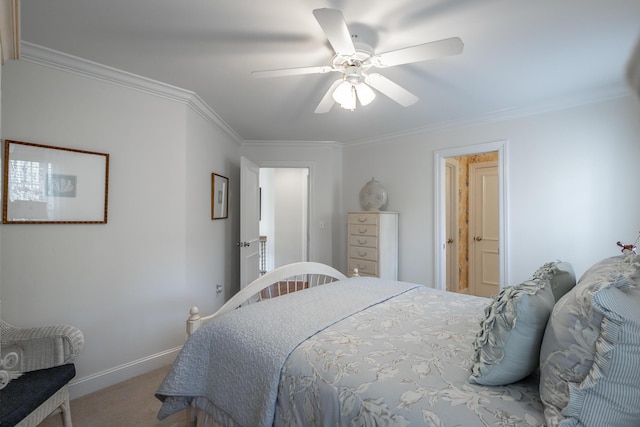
<point>362,254</point>
<point>362,241</point>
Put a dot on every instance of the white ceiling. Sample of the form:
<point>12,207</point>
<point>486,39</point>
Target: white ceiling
<point>519,56</point>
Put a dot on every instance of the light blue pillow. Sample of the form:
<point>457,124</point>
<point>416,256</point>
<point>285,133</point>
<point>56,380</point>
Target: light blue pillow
<point>507,348</point>
<point>590,355</point>
<point>561,277</point>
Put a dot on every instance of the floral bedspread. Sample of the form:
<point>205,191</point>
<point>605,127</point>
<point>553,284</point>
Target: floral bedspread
<point>403,362</point>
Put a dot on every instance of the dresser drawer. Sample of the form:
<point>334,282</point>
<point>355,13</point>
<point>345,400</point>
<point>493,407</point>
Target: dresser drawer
<point>363,253</point>
<point>372,238</point>
<point>368,268</point>
<point>363,218</point>
<point>364,241</point>
<point>363,230</point>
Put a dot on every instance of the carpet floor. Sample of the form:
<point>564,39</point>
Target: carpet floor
<point>128,404</point>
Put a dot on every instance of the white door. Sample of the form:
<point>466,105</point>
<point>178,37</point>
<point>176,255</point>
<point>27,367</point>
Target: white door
<point>484,259</point>
<point>451,200</point>
<point>249,222</point>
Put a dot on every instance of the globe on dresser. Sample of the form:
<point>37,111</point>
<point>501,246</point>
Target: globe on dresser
<point>373,196</point>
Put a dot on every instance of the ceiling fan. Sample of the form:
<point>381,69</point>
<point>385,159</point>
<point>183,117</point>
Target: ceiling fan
<point>355,59</point>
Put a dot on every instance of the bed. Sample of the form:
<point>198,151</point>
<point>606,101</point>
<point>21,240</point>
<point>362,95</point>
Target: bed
<point>332,350</point>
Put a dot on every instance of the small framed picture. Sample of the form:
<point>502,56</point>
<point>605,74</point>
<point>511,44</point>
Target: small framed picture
<point>219,196</point>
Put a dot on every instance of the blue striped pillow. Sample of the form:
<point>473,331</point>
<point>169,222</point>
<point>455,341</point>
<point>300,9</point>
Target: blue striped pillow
<point>590,355</point>
<point>610,393</point>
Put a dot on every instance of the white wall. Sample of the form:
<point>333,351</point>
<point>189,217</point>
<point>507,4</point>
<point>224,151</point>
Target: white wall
<point>212,257</point>
<point>267,214</point>
<point>572,185</point>
<point>127,284</point>
<point>283,215</point>
<point>290,185</point>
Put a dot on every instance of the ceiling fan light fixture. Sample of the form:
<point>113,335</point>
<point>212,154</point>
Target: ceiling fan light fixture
<point>348,94</point>
<point>345,95</point>
<point>365,94</point>
<point>350,101</point>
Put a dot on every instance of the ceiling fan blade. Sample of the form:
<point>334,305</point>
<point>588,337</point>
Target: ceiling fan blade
<point>335,28</point>
<point>292,71</point>
<point>421,52</point>
<point>327,100</point>
<point>391,89</point>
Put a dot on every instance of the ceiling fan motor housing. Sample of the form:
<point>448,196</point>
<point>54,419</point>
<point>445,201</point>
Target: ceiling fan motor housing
<point>353,74</point>
<point>361,58</point>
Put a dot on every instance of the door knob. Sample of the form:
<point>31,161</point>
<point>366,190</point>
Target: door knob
<point>243,244</point>
<point>477,239</point>
<point>450,241</point>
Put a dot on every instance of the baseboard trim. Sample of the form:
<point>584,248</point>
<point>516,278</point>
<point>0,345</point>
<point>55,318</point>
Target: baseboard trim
<point>85,385</point>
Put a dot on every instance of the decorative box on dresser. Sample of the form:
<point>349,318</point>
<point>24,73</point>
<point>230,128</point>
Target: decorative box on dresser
<point>373,243</point>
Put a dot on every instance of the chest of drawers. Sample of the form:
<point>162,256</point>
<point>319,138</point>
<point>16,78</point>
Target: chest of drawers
<point>373,244</point>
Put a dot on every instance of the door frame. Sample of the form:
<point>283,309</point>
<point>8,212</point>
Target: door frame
<point>451,218</point>
<point>310,166</point>
<point>440,239</point>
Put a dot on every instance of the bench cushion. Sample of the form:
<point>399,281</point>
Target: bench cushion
<point>23,395</point>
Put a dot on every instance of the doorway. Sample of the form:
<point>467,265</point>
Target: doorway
<point>284,216</point>
<point>493,250</point>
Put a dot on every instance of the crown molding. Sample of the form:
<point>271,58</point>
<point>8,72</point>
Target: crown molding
<point>54,59</point>
<point>293,144</point>
<point>602,94</point>
<point>72,64</point>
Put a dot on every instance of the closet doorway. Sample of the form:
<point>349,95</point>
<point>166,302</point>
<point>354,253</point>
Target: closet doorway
<point>470,215</point>
<point>472,224</point>
<point>284,216</point>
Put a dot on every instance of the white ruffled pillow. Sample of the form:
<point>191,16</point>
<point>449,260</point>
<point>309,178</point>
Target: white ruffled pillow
<point>507,348</point>
<point>590,355</point>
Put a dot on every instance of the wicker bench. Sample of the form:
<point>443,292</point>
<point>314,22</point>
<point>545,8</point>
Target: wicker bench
<point>34,384</point>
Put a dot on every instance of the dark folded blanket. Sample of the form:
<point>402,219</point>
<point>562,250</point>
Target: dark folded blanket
<point>23,395</point>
